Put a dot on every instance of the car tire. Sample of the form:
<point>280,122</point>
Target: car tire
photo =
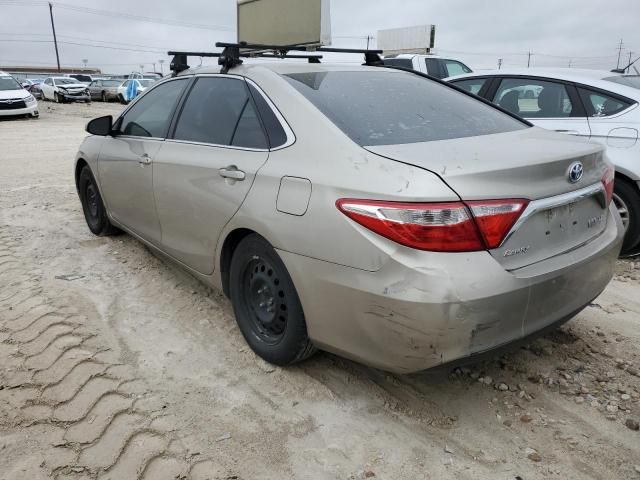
<point>122,100</point>
<point>266,304</point>
<point>627,200</point>
<point>93,207</point>
<point>104,97</point>
<point>57,98</point>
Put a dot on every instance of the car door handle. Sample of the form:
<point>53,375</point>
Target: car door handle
<point>232,173</point>
<point>144,159</point>
<point>570,132</point>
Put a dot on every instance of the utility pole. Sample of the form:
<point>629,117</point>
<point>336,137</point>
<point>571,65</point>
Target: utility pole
<point>629,63</point>
<point>154,67</point>
<point>161,61</point>
<point>368,40</point>
<point>569,63</point>
<point>499,63</point>
<point>529,59</point>
<point>55,40</point>
<point>619,53</point>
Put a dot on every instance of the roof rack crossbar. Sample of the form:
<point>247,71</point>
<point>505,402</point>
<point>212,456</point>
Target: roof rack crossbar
<point>372,57</point>
<point>233,53</point>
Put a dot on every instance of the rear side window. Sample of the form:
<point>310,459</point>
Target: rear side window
<point>398,62</point>
<point>599,104</point>
<point>534,98</point>
<point>434,67</point>
<point>220,111</point>
<point>150,116</point>
<point>471,85</point>
<point>275,133</point>
<point>392,107</point>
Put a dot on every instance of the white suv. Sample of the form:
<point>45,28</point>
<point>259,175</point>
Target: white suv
<point>15,100</point>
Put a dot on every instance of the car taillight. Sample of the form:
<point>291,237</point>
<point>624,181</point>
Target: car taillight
<point>608,181</point>
<point>437,227</point>
<point>496,217</point>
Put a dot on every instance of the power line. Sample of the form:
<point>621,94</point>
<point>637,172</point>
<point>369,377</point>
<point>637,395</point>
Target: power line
<point>109,13</point>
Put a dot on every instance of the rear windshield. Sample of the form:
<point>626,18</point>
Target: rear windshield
<point>390,108</point>
<point>628,80</point>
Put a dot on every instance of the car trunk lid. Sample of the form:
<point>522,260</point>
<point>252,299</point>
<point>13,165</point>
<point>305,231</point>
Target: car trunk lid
<point>530,164</point>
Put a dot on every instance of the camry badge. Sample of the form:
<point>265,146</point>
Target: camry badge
<point>576,172</point>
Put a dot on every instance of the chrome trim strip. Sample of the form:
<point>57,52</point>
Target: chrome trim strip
<point>204,144</point>
<point>552,202</point>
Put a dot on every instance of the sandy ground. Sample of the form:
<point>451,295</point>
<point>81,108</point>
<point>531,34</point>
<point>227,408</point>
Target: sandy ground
<point>131,369</point>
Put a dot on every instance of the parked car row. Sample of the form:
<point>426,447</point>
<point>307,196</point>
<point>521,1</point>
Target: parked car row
<point>600,106</point>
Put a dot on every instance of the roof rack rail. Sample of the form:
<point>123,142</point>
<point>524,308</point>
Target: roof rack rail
<point>233,53</point>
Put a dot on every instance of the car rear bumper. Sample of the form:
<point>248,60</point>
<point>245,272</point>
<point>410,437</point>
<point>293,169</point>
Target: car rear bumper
<point>424,309</point>
<point>30,110</point>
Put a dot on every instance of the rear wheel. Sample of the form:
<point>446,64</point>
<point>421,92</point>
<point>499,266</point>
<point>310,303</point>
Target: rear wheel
<point>627,200</point>
<point>94,211</point>
<point>104,97</point>
<point>266,304</point>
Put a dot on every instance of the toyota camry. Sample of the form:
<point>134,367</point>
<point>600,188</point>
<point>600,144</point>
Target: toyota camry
<point>366,211</point>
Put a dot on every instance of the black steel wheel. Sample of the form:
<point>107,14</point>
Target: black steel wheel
<point>266,304</point>
<point>94,211</point>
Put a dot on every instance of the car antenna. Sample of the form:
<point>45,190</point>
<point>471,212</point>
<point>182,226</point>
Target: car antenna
<point>624,69</point>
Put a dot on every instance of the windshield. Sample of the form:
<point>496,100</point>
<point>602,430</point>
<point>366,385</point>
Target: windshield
<point>388,108</point>
<point>146,83</point>
<point>9,83</point>
<point>628,80</point>
<point>65,81</point>
<point>111,83</point>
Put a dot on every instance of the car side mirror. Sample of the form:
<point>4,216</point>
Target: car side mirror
<point>100,126</point>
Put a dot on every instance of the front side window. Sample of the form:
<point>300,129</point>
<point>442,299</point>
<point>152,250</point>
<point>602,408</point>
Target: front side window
<point>454,67</point>
<point>48,81</point>
<point>532,98</point>
<point>220,111</point>
<point>150,116</point>
<point>471,85</point>
<point>393,107</point>
<point>599,104</point>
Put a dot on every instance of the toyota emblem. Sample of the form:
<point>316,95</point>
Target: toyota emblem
<point>576,172</point>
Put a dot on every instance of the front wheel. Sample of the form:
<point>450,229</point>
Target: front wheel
<point>57,97</point>
<point>266,304</point>
<point>104,97</point>
<point>627,200</point>
<point>94,212</point>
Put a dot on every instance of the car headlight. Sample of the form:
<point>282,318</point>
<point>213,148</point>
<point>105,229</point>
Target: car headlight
<point>30,99</point>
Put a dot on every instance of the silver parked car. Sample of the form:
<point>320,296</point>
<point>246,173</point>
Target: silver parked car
<point>104,89</point>
<point>370,212</point>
